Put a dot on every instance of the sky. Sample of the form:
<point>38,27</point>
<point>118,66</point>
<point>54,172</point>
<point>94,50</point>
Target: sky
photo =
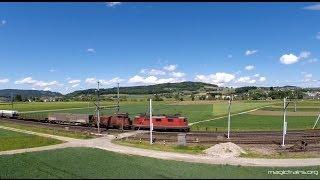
<point>65,47</point>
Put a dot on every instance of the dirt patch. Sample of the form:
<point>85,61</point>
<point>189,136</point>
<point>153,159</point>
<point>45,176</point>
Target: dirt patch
<point>225,150</point>
<point>280,113</point>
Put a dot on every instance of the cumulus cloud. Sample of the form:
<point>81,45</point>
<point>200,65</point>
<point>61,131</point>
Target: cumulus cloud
<point>170,67</point>
<point>246,80</point>
<point>250,52</point>
<point>178,74</point>
<point>256,75</point>
<point>154,72</point>
<point>249,67</point>
<point>91,50</point>
<point>288,59</point>
<point>291,58</point>
<point>103,81</point>
<point>152,80</point>
<point>4,81</point>
<point>315,7</point>
<point>304,54</point>
<point>219,78</point>
<point>262,79</point>
<point>112,4</point>
<point>75,81</point>
<point>47,89</point>
<point>37,83</point>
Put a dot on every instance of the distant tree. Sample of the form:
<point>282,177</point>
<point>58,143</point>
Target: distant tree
<point>18,98</point>
<point>157,98</point>
<point>192,97</point>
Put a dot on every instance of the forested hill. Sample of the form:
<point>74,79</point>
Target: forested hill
<point>150,89</point>
<point>28,93</point>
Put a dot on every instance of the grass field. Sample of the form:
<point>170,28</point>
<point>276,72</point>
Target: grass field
<point>48,130</point>
<point>248,122</point>
<point>94,163</point>
<point>196,111</point>
<point>10,140</point>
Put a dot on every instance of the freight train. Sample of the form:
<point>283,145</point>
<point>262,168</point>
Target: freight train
<point>117,120</point>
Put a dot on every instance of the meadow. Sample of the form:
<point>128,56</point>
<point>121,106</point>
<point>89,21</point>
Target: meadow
<point>94,163</point>
<point>10,140</point>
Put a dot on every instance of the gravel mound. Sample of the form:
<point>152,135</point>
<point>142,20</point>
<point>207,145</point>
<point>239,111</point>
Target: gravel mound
<point>225,150</point>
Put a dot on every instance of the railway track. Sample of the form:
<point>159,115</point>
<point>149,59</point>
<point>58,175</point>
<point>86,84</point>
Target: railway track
<point>252,137</point>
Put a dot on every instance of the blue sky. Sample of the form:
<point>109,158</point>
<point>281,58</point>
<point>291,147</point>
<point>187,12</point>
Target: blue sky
<point>69,46</point>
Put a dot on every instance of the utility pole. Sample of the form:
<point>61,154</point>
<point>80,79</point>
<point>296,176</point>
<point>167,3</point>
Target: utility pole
<point>229,116</point>
<point>118,97</point>
<point>98,107</point>
<point>284,132</point>
<point>11,100</point>
<point>150,120</point>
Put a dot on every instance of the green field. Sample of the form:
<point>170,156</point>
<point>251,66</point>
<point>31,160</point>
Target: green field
<point>248,122</point>
<point>94,163</point>
<point>194,110</point>
<point>48,130</point>
<point>10,140</point>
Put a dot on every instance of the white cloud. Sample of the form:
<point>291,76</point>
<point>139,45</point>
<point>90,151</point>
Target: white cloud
<point>91,50</point>
<point>152,80</point>
<point>318,35</point>
<point>91,80</point>
<point>52,70</point>
<point>103,81</point>
<point>170,67</point>
<point>4,80</point>
<point>307,77</point>
<point>315,7</point>
<point>37,83</point>
<point>262,79</point>
<point>112,4</point>
<point>219,78</point>
<point>256,75</point>
<point>76,81</point>
<point>249,67</point>
<point>246,80</point>
<point>251,52</point>
<point>152,72</point>
<point>75,85</point>
<point>291,58</point>
<point>178,74</point>
<point>304,54</point>
<point>47,89</point>
<point>288,59</point>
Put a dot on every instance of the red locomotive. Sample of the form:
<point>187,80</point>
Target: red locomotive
<point>162,122</point>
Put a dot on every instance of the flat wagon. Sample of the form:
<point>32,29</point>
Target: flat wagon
<point>68,118</point>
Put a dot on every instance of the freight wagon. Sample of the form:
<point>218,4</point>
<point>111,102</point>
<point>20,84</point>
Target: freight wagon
<point>9,114</point>
<point>68,118</point>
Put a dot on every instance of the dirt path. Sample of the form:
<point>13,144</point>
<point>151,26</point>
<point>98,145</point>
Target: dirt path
<point>106,144</point>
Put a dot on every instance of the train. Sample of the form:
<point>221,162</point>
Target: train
<point>116,121</point>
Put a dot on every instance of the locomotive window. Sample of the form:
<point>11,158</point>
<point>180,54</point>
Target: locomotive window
<point>170,120</point>
<point>158,119</point>
<point>184,120</point>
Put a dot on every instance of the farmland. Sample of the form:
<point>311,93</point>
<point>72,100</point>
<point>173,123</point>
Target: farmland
<point>94,163</point>
<point>15,140</point>
<point>269,117</point>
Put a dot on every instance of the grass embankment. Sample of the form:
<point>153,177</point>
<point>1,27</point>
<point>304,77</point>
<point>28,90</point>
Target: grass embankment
<point>82,163</point>
<point>10,140</point>
<point>195,149</point>
<point>48,130</point>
